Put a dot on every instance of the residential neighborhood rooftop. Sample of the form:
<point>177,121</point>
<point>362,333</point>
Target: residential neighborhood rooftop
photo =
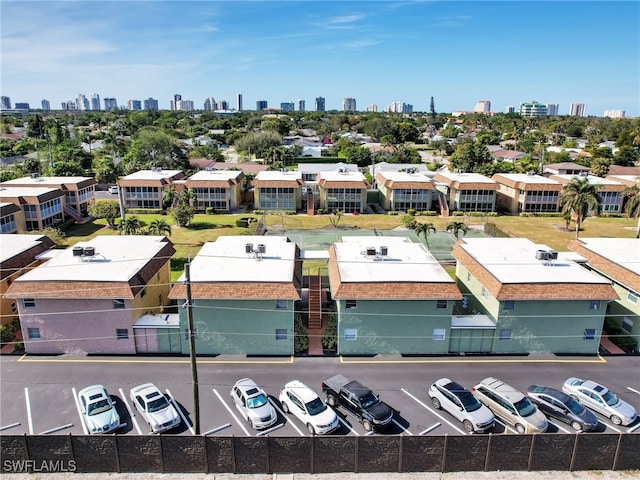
<point>15,192</point>
<point>465,177</point>
<point>152,174</point>
<point>15,244</point>
<point>404,177</point>
<point>215,175</point>
<point>325,167</point>
<point>621,251</point>
<point>593,180</point>
<point>525,178</point>
<point>344,176</point>
<point>39,180</point>
<point>279,175</point>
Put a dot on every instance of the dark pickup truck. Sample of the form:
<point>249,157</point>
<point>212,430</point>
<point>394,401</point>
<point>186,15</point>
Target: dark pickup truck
<point>359,401</point>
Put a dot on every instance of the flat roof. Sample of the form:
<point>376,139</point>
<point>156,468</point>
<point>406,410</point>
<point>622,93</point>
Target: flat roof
<point>513,261</point>
<point>117,259</point>
<point>477,322</point>
<point>163,320</point>
<point>15,192</point>
<point>214,175</point>
<point>526,178</point>
<point>623,251</point>
<point>404,176</point>
<point>348,176</point>
<point>226,260</point>
<point>12,245</point>
<point>405,262</point>
<point>152,175</point>
<point>278,175</point>
<point>593,180</point>
<point>43,180</point>
<point>466,177</point>
<point>325,167</point>
<point>394,167</point>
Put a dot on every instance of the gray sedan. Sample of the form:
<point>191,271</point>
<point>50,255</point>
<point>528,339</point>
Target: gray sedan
<point>561,406</point>
<point>599,398</point>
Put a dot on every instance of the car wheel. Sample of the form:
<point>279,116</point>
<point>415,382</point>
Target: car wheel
<point>577,426</point>
<point>367,425</point>
<point>436,403</point>
<point>616,419</point>
<point>575,397</point>
<point>312,430</point>
<point>285,408</point>
<point>332,401</point>
<point>468,426</point>
<point>520,428</point>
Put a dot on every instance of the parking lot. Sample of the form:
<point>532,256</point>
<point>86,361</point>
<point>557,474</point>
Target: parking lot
<point>39,395</point>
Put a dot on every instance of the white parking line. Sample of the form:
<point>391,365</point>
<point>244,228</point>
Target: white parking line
<point>404,429</point>
<point>179,410</point>
<point>285,416</point>
<point>633,390</point>
<point>215,430</point>
<point>56,429</point>
<point>126,404</point>
<point>347,425</point>
<point>231,412</point>
<point>75,398</point>
<point>506,427</point>
<point>29,420</point>
<point>434,412</point>
<point>559,427</point>
<point>272,429</point>
<point>430,429</point>
<point>633,429</point>
<point>611,427</point>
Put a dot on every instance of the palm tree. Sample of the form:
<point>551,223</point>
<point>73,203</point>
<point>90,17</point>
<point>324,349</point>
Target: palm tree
<point>456,227</point>
<point>632,205</point>
<point>168,198</point>
<point>159,227</point>
<point>425,229</point>
<point>130,226</point>
<point>580,197</point>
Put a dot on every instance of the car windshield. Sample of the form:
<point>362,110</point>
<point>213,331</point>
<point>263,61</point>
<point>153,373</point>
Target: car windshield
<point>610,398</point>
<point>574,406</point>
<point>257,401</point>
<point>98,407</point>
<point>525,407</point>
<point>368,400</point>
<point>157,404</point>
<point>471,403</point>
<point>315,406</point>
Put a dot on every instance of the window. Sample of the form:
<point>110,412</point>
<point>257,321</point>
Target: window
<point>439,334</point>
<point>485,294</point>
<point>350,333</point>
<point>509,304</point>
<point>143,292</point>
<point>33,333</point>
<point>281,304</point>
<point>118,303</point>
<point>589,333</point>
<point>594,305</point>
<point>8,281</point>
<point>350,304</point>
<point>468,276</point>
<point>14,309</point>
<point>505,334</point>
<point>441,304</point>
<point>28,303</point>
<point>122,333</point>
<point>627,324</point>
<point>281,333</point>
<point>632,297</point>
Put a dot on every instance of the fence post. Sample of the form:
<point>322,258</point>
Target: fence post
<point>355,453</point>
<point>615,458</point>
<point>312,460</point>
<point>400,450</point>
<point>444,452</point>
<point>486,458</point>
<point>533,444</point>
<point>573,453</point>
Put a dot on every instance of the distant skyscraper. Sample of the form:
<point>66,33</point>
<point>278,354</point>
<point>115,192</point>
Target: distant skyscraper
<point>5,103</point>
<point>349,104</point>
<point>209,104</point>
<point>483,106</point>
<point>150,104</point>
<point>320,104</point>
<point>82,103</point>
<point>134,105</point>
<point>239,102</point>
<point>46,106</point>
<point>372,108</point>
<point>187,105</point>
<point>221,105</point>
<point>287,106</point>
<point>509,109</point>
<point>110,103</point>
<point>610,113</point>
<point>261,105</point>
<point>95,101</point>
<point>69,106</point>
<point>176,103</point>
<point>577,110</point>
<point>301,105</point>
<point>22,106</point>
<point>534,109</point>
<point>552,109</point>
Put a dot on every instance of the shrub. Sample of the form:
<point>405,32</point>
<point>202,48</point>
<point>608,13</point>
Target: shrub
<point>330,335</point>
<point>458,213</point>
<point>540,214</point>
<point>18,347</point>
<point>429,213</point>
<point>6,333</point>
<point>210,211</point>
<point>141,211</point>
<point>611,215</point>
<point>492,214</point>
<point>393,212</point>
<point>258,212</point>
<point>242,223</point>
<point>301,339</point>
<point>412,212</point>
<point>618,336</point>
<point>409,221</point>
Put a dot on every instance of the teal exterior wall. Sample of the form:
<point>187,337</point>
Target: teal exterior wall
<point>393,327</point>
<point>625,307</point>
<point>169,341</point>
<point>239,327</point>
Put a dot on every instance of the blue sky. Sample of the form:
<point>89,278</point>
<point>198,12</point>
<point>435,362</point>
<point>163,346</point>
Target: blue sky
<point>459,52</point>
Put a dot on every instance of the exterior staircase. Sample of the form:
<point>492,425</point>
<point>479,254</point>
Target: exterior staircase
<point>75,214</point>
<point>310,205</point>
<point>444,206</point>
<point>315,303</point>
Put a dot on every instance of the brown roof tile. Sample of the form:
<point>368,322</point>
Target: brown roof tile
<point>609,268</point>
<point>237,291</point>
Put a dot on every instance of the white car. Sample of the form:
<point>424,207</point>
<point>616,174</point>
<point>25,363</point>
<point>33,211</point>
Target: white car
<point>596,397</point>
<point>113,189</point>
<point>253,404</point>
<point>303,402</point>
<point>154,407</point>
<point>461,404</point>
<point>98,411</point>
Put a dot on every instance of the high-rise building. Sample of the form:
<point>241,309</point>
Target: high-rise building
<point>82,103</point>
<point>372,108</point>
<point>577,110</point>
<point>150,104</point>
<point>5,103</point>
<point>552,109</point>
<point>209,104</point>
<point>69,106</point>
<point>187,105</point>
<point>398,107</point>
<point>509,109</point>
<point>483,106</point>
<point>46,106</point>
<point>300,105</point>
<point>95,101</point>
<point>134,105</point>
<point>176,103</point>
<point>21,106</point>
<point>534,109</point>
<point>349,104</point>
<point>610,113</point>
<point>320,104</point>
<point>221,105</point>
<point>239,102</point>
<point>287,106</point>
<point>110,103</point>
<point>261,105</point>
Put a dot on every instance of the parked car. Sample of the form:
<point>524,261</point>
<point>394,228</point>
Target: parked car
<point>559,405</point>
<point>461,404</point>
<point>253,404</point>
<point>304,403</point>
<point>602,400</point>
<point>511,406</point>
<point>113,189</point>
<point>154,407</point>
<point>98,410</point>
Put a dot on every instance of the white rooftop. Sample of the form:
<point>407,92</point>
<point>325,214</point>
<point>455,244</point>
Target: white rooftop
<point>405,177</point>
<point>513,260</point>
<point>466,177</point>
<point>279,175</point>
<point>623,251</point>
<point>216,175</point>
<point>117,259</point>
<point>394,167</point>
<point>593,180</point>
<point>325,167</point>
<point>525,178</point>
<point>162,320</point>
<point>14,244</point>
<point>152,175</point>
<point>226,260</point>
<point>405,261</point>
<point>42,180</point>
<point>14,192</point>
<point>336,176</point>
<point>626,178</point>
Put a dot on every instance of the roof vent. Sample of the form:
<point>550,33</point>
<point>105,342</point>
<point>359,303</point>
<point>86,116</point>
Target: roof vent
<point>258,252</point>
<point>35,175</point>
<point>77,251</point>
<point>371,251</point>
<point>248,248</point>
<point>156,169</point>
<point>583,174</point>
<point>542,255</point>
<point>88,251</point>
<point>342,170</point>
<point>384,251</point>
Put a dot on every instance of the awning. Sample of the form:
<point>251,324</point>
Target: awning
<point>164,320</point>
<point>478,322</point>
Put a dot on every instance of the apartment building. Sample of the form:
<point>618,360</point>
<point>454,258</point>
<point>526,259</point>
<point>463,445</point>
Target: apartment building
<point>41,206</point>
<point>11,218</point>
<point>467,192</point>
<point>145,188</point>
<point>609,190</point>
<point>220,190</point>
<point>277,190</point>
<point>402,191</point>
<point>520,192</point>
<point>342,190</point>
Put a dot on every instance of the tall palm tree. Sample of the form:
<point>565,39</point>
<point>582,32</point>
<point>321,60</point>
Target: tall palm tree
<point>456,227</point>
<point>425,229</point>
<point>632,205</point>
<point>580,197</point>
<point>159,227</point>
<point>169,198</point>
<point>130,226</point>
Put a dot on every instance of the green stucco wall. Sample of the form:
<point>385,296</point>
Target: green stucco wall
<point>624,307</point>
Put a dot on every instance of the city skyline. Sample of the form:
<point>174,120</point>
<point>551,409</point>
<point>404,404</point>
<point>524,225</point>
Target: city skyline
<point>376,52</point>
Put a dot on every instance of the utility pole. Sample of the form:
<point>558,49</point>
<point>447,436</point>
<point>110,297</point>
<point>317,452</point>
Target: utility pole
<point>192,349</point>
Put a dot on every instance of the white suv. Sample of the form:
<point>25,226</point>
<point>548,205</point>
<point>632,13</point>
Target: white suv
<point>305,404</point>
<point>461,404</point>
